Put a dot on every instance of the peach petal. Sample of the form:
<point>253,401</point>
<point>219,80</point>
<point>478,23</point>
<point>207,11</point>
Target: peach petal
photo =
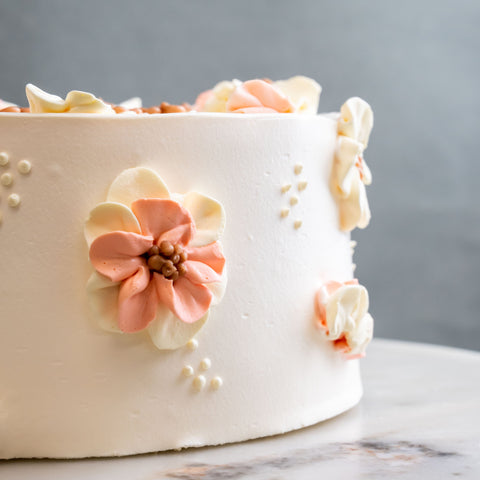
<point>202,99</point>
<point>117,254</point>
<point>211,255</point>
<point>258,93</point>
<point>137,302</point>
<point>158,216</point>
<point>198,273</point>
<point>189,302</point>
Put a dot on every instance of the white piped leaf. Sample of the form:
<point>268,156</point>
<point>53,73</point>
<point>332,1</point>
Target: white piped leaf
<point>135,183</point>
<point>110,217</point>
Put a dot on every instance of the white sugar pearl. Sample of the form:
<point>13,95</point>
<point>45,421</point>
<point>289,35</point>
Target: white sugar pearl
<point>6,179</point>
<point>192,344</point>
<point>13,200</point>
<point>24,167</point>
<point>3,159</point>
<point>205,364</point>
<point>187,371</point>
<point>216,383</point>
<point>199,382</point>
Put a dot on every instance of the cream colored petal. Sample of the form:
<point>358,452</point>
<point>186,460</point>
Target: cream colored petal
<point>218,288</point>
<point>102,297</point>
<point>134,102</point>
<point>43,102</point>
<point>345,308</point>
<point>360,337</point>
<point>84,102</point>
<point>344,171</point>
<point>354,210</point>
<point>208,215</point>
<point>303,92</point>
<point>217,101</point>
<point>356,120</point>
<point>135,183</point>
<point>169,333</point>
<point>110,217</point>
<point>367,174</point>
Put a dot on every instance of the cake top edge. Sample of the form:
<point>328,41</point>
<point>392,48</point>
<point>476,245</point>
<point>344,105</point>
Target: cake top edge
<point>296,95</point>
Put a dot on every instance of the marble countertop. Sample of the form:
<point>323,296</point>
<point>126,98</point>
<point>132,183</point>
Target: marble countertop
<point>419,419</point>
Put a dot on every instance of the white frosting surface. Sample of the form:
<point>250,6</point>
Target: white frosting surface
<point>71,389</point>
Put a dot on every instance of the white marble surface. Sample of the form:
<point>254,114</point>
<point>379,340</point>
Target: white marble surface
<point>419,419</point>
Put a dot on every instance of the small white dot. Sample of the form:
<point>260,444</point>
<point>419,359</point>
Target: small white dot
<point>293,200</point>
<point>216,383</point>
<point>6,179</point>
<point>284,212</point>
<point>199,382</point>
<point>3,159</point>
<point>205,364</point>
<point>297,224</point>
<point>286,188</point>
<point>297,169</point>
<point>192,344</point>
<point>187,371</point>
<point>24,167</point>
<point>13,200</point>
<point>302,185</point>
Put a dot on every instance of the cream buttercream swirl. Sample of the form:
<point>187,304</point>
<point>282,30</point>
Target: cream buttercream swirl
<point>75,102</point>
<point>350,172</point>
<point>342,313</point>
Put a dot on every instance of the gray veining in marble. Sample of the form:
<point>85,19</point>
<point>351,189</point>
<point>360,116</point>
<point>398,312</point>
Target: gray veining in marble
<point>419,419</point>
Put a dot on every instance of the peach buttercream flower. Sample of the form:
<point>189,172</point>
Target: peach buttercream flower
<point>342,314</point>
<point>295,95</point>
<point>159,264</point>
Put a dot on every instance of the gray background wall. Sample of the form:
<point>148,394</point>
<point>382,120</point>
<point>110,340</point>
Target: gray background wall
<point>416,62</point>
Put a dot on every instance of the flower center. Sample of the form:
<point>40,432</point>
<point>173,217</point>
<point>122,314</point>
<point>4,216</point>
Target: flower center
<point>167,259</point>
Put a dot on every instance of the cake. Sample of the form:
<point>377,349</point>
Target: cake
<point>179,275</point>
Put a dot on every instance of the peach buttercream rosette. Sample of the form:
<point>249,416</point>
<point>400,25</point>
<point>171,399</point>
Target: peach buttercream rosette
<point>341,310</point>
<point>125,294</point>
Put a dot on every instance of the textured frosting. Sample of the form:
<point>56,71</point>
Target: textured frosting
<point>78,390</point>
<point>350,172</point>
<point>75,102</point>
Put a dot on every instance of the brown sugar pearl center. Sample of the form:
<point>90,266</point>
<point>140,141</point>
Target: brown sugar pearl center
<point>167,259</point>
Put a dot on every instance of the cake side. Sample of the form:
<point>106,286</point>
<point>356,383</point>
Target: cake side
<point>76,390</point>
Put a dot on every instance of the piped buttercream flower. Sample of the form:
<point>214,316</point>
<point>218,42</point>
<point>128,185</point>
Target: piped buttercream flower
<point>295,95</point>
<point>342,313</point>
<point>350,172</point>
<point>159,264</point>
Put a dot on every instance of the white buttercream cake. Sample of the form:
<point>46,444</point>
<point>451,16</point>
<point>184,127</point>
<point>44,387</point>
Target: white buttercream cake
<point>178,279</point>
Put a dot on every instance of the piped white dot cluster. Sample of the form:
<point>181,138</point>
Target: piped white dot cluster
<point>7,180</point>
<point>294,199</point>
<point>199,380</point>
